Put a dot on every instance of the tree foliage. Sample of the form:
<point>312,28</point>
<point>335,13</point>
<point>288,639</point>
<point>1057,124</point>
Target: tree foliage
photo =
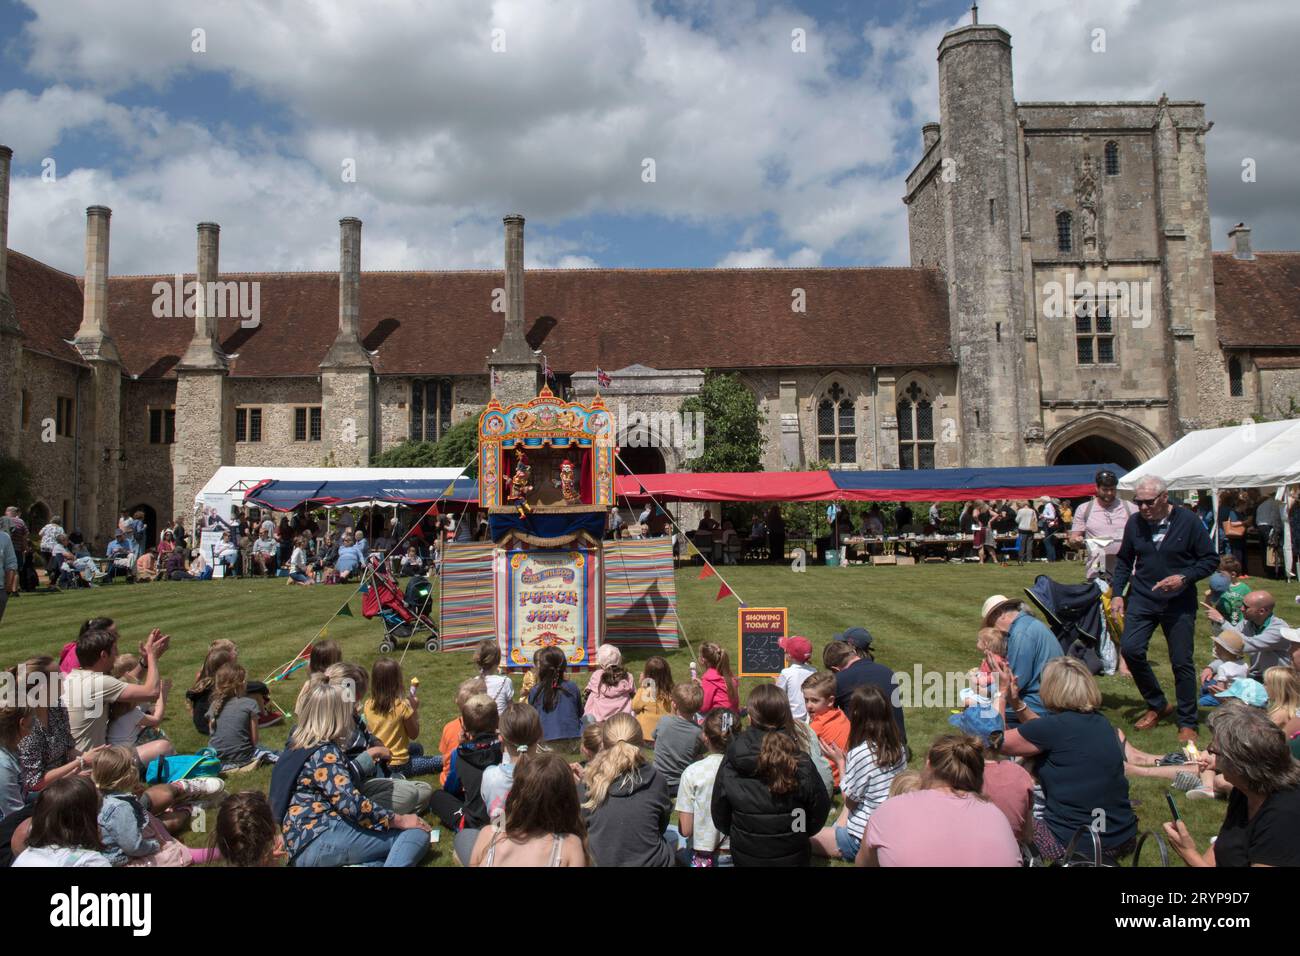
<point>733,425</point>
<point>457,447</point>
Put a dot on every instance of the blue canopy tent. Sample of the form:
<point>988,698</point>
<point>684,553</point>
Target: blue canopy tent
<point>284,495</point>
<point>963,484</point>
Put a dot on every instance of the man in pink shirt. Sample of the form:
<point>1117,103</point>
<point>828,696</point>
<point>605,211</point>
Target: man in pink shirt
<point>1102,518</point>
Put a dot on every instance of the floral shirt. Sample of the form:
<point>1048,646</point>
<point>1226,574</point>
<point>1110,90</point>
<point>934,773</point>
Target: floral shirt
<point>46,747</point>
<point>325,790</point>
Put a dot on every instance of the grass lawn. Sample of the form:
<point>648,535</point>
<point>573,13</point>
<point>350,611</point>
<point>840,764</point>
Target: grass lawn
<point>925,615</point>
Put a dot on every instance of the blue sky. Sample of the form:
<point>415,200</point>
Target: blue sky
<point>762,156</point>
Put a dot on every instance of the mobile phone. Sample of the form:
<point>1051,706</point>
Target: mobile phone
<point>1173,808</point>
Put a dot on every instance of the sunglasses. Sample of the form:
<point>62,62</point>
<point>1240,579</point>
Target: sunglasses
<point>1146,502</point>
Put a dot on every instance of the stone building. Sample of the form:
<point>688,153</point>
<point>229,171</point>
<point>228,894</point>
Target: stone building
<point>1062,304</point>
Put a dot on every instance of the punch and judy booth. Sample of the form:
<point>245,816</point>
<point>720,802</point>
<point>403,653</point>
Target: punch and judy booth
<point>546,481</point>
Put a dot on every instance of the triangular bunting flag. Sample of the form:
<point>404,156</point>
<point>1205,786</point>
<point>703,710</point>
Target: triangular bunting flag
<point>706,572</point>
<point>723,591</point>
<point>345,611</point>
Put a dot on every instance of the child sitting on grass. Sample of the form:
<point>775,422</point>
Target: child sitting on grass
<point>654,699</point>
<point>609,691</point>
<point>487,658</point>
<point>677,736</point>
<point>247,832</point>
<point>233,718</point>
<point>797,651</point>
<point>393,715</point>
<point>132,835</point>
<point>449,740</point>
<point>825,719</point>
<point>460,803</point>
<point>558,701</point>
<point>1227,665</point>
<point>876,755</point>
<point>130,724</point>
<point>705,846</point>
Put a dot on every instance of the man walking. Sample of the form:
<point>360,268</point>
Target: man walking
<point>1101,520</point>
<point>1164,552</point>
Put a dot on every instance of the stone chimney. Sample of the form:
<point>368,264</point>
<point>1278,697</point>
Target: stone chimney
<point>347,350</point>
<point>8,317</point>
<point>929,135</point>
<point>513,343</point>
<point>204,352</point>
<point>1240,236</point>
<point>513,367</point>
<point>93,340</point>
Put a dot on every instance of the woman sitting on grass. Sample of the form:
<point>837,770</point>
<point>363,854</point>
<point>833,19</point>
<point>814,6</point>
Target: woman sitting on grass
<point>1079,758</point>
<point>327,820</point>
<point>1262,825</point>
<point>948,822</point>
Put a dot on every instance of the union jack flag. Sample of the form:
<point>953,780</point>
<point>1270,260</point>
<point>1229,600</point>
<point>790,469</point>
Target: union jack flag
<point>602,377</point>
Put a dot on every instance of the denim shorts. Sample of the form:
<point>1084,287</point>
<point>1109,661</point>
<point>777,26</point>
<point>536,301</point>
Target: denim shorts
<point>847,843</point>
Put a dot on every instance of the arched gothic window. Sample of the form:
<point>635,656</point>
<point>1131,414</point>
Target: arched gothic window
<point>837,431</point>
<point>915,429</point>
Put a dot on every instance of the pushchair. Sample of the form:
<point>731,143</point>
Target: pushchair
<point>1077,616</point>
<point>405,615</point>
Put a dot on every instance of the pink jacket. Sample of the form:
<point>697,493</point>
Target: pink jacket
<point>715,692</point>
<point>605,701</point>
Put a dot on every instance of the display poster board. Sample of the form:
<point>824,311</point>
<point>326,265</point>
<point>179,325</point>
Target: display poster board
<point>551,599</point>
<point>759,632</point>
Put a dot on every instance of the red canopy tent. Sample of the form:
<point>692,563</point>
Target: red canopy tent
<point>940,484</point>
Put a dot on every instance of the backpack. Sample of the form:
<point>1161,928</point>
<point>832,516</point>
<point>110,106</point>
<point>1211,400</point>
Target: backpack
<point>205,763</point>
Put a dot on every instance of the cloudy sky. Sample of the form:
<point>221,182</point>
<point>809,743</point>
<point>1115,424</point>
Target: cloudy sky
<point>455,112</point>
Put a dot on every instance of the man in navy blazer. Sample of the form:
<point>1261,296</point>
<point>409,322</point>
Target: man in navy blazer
<point>1165,551</point>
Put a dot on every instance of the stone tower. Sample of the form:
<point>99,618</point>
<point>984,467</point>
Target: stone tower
<point>203,395</point>
<point>981,207</point>
<point>347,380</point>
<point>513,367</point>
<point>99,420</point>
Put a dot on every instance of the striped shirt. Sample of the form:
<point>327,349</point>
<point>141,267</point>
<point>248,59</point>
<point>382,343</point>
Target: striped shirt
<point>866,784</point>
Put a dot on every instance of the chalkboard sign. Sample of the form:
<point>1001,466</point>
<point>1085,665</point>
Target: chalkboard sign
<point>760,630</point>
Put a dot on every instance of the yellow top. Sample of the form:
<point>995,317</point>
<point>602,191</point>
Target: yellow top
<point>390,729</point>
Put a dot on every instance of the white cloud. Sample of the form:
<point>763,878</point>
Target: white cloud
<point>448,135</point>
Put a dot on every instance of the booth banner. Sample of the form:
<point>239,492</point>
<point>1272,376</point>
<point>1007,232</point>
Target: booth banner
<point>641,594</point>
<point>466,592</point>
<point>552,599</point>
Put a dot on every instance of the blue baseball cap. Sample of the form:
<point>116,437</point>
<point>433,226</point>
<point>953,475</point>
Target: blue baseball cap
<point>978,722</point>
<point>1219,582</point>
<point>859,637</point>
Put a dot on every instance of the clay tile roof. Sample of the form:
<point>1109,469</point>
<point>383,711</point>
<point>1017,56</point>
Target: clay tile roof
<point>442,322</point>
<point>1283,361</point>
<point>48,304</point>
<point>1257,301</point>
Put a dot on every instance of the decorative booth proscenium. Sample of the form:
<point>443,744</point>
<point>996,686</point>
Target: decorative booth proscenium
<point>546,480</point>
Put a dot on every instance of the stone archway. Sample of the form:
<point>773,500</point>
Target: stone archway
<point>152,532</point>
<point>1101,438</point>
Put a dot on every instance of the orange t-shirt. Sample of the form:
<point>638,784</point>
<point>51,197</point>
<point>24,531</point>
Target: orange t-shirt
<point>448,742</point>
<point>832,727</point>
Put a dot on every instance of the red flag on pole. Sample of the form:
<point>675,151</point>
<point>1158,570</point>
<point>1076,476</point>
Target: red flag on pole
<point>723,591</point>
<point>706,572</point>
